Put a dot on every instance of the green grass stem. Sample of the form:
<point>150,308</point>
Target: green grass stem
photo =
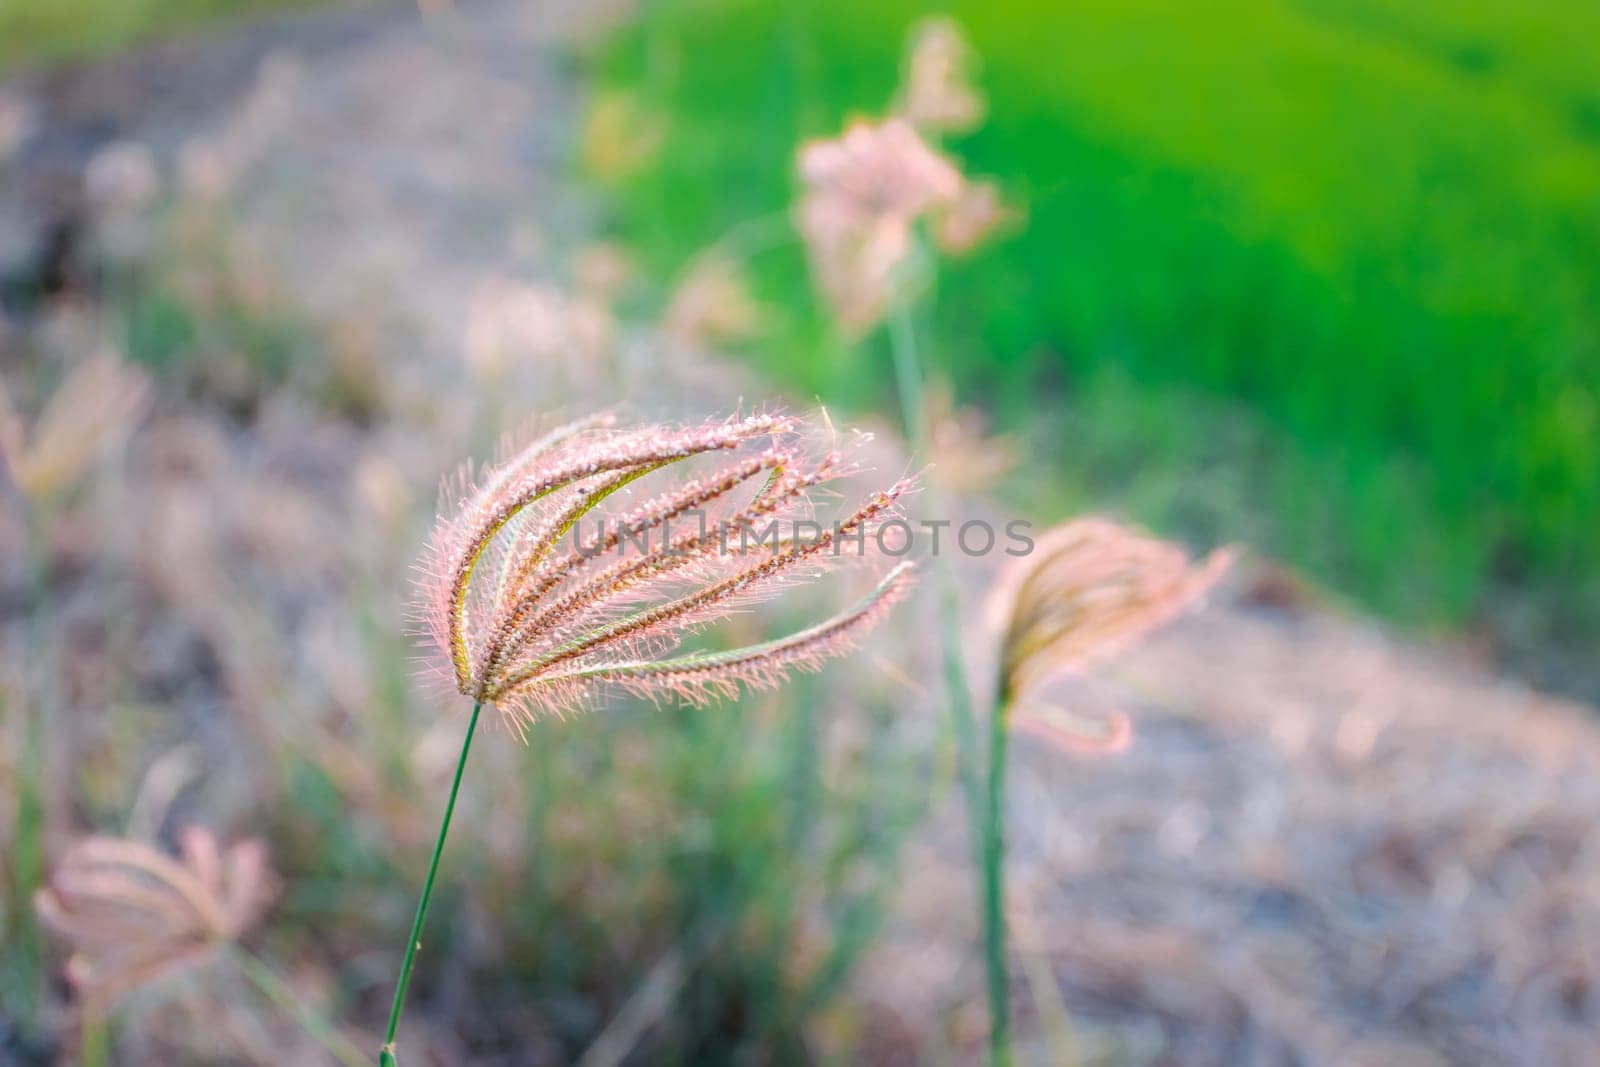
<point>386,1055</point>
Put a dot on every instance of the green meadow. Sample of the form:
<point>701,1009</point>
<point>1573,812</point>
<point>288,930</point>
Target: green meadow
<point>1323,276</point>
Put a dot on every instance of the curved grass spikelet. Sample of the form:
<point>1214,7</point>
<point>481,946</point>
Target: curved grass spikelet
<point>526,623</point>
<point>701,676</point>
<point>131,913</point>
<point>1089,589</point>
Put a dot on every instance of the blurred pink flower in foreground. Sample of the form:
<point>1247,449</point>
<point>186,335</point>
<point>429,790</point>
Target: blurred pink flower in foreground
<point>532,625</point>
<point>863,193</point>
<point>1088,590</point>
<point>131,913</point>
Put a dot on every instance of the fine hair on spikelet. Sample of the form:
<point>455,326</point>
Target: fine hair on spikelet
<point>529,617</point>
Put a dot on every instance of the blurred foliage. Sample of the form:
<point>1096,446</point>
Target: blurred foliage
<point>34,31</point>
<point>1333,258</point>
<point>714,874</point>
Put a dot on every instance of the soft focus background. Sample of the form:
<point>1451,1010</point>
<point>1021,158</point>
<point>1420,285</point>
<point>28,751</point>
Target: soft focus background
<point>1320,278</point>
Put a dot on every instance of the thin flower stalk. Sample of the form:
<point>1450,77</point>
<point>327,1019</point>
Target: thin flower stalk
<point>1089,589</point>
<point>526,623</point>
<point>866,197</point>
<point>958,691</point>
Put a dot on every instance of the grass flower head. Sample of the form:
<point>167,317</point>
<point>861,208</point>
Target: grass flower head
<point>132,913</point>
<point>863,194</point>
<point>938,95</point>
<point>532,615</point>
<point>1089,589</point>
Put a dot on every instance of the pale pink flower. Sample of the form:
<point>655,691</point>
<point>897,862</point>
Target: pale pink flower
<point>533,625</point>
<point>938,95</point>
<point>132,913</point>
<point>17,124</point>
<point>863,194</point>
<point>1088,590</point>
<point>511,322</point>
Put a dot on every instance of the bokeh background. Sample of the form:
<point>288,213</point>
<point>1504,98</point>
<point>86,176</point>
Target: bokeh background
<point>1319,278</point>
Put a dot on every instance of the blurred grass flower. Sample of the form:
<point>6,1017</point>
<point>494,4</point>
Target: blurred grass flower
<point>938,95</point>
<point>512,323</point>
<point>603,270</point>
<point>95,409</point>
<point>132,914</point>
<point>17,124</point>
<point>863,193</point>
<point>971,218</point>
<point>1087,590</point>
<point>1090,588</point>
<point>533,628</point>
<point>122,178</point>
<point>92,412</point>
<point>621,136</point>
<point>963,456</point>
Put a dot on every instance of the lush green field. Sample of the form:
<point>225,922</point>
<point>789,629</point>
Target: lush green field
<point>1323,274</point>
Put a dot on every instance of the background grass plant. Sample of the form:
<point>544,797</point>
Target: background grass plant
<point>1356,233</point>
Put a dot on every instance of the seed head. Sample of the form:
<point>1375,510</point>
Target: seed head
<point>532,623</point>
<point>95,408</point>
<point>1089,589</point>
<point>938,95</point>
<point>863,193</point>
<point>131,913</point>
<point>964,457</point>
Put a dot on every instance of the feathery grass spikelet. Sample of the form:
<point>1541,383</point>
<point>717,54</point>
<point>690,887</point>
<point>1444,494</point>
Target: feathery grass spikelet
<point>1089,589</point>
<point>532,625</point>
<point>972,217</point>
<point>131,913</point>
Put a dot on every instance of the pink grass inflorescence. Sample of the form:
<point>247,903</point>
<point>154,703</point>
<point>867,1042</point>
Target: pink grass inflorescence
<point>538,589</point>
<point>131,913</point>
